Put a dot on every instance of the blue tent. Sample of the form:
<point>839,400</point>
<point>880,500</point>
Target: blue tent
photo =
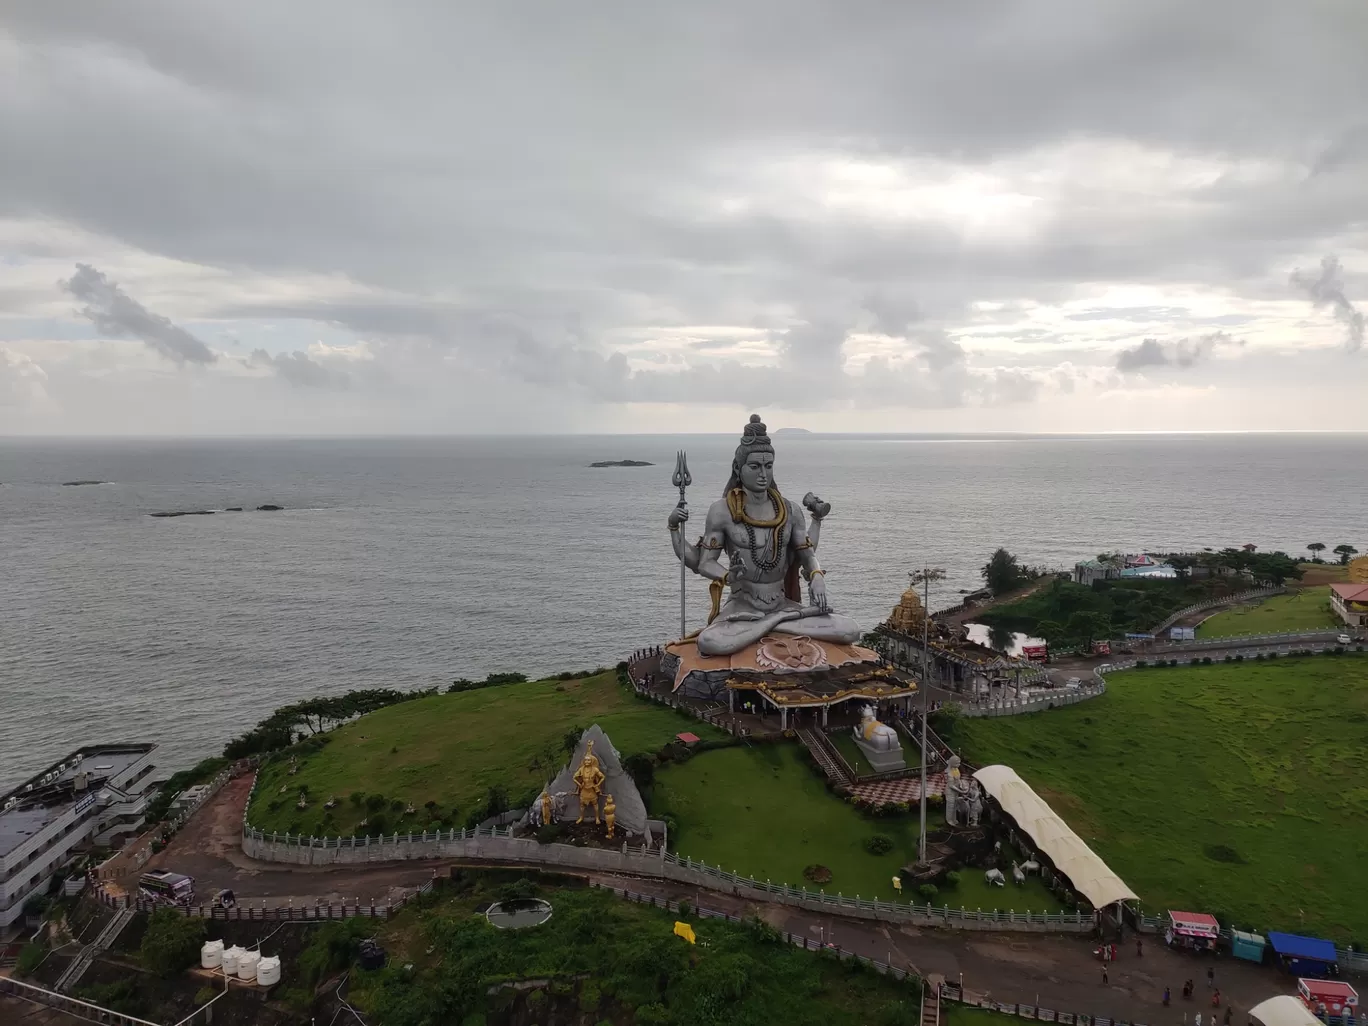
<point>1305,956</point>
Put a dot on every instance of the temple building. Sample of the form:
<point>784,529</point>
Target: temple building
<point>801,679</point>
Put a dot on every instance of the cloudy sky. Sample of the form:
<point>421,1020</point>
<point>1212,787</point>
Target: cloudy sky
<point>1058,215</point>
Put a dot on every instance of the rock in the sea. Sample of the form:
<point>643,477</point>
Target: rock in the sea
<point>77,484</point>
<point>185,513</point>
<point>268,508</point>
<point>622,463</point>
<point>233,509</point>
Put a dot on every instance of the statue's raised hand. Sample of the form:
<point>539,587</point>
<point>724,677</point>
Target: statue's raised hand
<point>678,516</point>
<point>816,506</point>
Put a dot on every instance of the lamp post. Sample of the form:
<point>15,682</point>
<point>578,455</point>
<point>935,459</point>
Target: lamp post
<point>924,577</point>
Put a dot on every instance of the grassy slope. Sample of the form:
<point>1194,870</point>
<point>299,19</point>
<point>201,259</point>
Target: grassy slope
<point>1307,609</point>
<point>762,812</point>
<point>615,958</point>
<point>453,748</point>
<point>1269,759</point>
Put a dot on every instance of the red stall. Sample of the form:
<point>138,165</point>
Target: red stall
<point>1192,931</point>
<point>1328,997</point>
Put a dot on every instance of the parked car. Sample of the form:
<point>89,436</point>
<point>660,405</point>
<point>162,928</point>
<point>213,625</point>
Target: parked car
<point>1344,639</point>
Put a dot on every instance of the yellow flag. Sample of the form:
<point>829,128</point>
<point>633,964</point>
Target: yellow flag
<point>686,931</point>
<point>897,883</point>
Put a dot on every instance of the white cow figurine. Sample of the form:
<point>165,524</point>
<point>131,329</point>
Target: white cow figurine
<point>1031,865</point>
<point>994,878</point>
<point>1018,875</point>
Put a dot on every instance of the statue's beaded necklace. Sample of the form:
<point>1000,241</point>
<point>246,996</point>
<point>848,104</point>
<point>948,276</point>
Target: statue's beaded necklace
<point>736,504</point>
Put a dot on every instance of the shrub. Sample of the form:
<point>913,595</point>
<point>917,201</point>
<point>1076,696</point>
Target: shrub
<point>928,891</point>
<point>375,802</point>
<point>204,995</point>
<point>641,768</point>
<point>1206,660</point>
<point>685,909</point>
<point>396,805</point>
<point>817,873</point>
<point>1259,656</point>
<point>1272,655</point>
<point>1239,658</point>
<point>172,942</point>
<point>1141,663</point>
<point>952,879</point>
<point>878,844</point>
<point>356,798</point>
<point>29,957</point>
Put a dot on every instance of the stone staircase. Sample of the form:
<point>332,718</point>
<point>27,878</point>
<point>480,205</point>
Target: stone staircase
<point>83,961</point>
<point>833,765</point>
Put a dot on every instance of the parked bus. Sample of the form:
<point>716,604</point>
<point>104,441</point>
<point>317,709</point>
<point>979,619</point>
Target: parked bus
<point>169,888</point>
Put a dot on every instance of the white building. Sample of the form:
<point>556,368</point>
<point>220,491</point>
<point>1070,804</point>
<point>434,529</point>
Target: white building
<point>94,797</point>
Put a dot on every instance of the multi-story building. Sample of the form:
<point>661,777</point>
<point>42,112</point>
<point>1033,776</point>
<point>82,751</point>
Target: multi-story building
<point>95,797</point>
<point>1350,602</point>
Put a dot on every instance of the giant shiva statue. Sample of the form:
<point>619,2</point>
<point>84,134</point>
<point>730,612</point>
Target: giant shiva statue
<point>768,544</point>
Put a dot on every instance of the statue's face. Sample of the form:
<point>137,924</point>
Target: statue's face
<point>757,473</point>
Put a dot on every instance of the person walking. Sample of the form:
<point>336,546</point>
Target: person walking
<point>1211,977</point>
<point>1139,947</point>
<point>1104,974</point>
<point>1166,1000</point>
<point>1229,1010</point>
<point>1215,1003</point>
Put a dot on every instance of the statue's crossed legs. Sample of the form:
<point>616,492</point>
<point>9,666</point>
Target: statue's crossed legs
<point>726,635</point>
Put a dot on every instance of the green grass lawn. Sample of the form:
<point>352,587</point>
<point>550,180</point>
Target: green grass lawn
<point>451,749</point>
<point>761,811</point>
<point>845,744</point>
<point>1307,609</point>
<point>1238,789</point>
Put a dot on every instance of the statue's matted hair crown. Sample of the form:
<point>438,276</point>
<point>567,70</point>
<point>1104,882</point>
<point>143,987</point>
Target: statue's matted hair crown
<point>755,435</point>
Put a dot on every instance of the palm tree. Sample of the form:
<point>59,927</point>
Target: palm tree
<point>1344,552</point>
<point>1316,549</point>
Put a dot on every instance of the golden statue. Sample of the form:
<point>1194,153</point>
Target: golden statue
<point>589,780</point>
<point>609,813</point>
<point>546,815</point>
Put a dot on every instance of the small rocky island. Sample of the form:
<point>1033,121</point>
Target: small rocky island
<point>78,484</point>
<point>622,463</point>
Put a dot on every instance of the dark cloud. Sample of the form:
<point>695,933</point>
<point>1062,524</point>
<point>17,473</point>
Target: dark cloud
<point>1327,289</point>
<point>115,312</point>
<point>299,369</point>
<point>1182,353</point>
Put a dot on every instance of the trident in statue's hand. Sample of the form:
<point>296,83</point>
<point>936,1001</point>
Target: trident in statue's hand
<point>681,480</point>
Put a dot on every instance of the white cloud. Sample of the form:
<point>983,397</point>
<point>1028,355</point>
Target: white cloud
<point>414,218</point>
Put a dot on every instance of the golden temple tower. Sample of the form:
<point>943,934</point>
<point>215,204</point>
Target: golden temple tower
<point>908,614</point>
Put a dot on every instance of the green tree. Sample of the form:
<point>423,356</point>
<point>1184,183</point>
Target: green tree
<point>1088,627</point>
<point>1002,572</point>
<point>1344,552</point>
<point>1316,549</point>
<point>172,942</point>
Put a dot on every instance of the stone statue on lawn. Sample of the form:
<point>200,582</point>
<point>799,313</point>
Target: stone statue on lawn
<point>768,544</point>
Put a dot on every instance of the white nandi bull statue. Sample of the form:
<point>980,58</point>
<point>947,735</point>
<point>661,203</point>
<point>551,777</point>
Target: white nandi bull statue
<point>876,735</point>
<point>1018,876</point>
<point>994,878</point>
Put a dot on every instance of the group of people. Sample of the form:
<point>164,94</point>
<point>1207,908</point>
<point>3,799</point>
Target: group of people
<point>1188,989</point>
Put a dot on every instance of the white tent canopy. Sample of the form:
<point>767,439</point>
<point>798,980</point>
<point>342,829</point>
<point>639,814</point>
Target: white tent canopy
<point>1283,1010</point>
<point>1034,817</point>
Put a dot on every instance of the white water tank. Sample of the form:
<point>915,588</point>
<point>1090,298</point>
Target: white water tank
<point>211,954</point>
<point>247,965</point>
<point>230,960</point>
<point>268,971</point>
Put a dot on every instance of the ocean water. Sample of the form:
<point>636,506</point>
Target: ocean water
<point>409,562</point>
